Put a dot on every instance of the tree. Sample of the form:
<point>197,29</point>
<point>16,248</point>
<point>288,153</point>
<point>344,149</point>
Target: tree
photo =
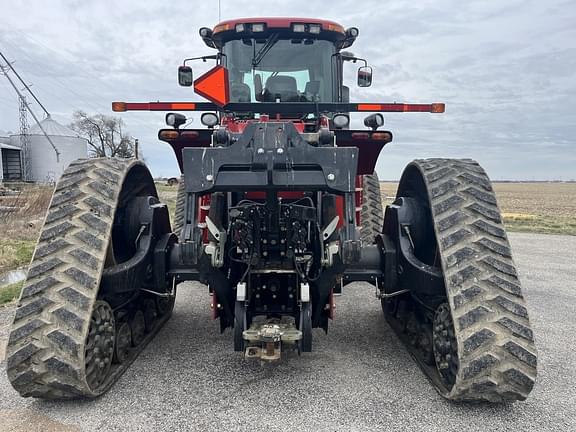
<point>104,135</point>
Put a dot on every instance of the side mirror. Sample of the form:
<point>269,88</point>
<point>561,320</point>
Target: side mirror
<point>364,76</point>
<point>185,78</point>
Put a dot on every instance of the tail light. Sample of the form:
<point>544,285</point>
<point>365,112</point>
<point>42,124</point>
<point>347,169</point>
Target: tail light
<point>169,134</point>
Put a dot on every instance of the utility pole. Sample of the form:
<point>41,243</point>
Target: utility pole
<point>24,140</point>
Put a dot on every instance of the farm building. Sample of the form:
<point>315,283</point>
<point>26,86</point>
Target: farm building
<point>43,165</point>
<point>10,162</point>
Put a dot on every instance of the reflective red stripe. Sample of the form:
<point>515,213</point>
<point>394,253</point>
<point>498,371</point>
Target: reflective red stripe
<point>155,106</point>
<point>402,107</point>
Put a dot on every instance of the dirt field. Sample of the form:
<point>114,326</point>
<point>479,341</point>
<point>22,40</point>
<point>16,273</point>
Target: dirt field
<point>548,208</point>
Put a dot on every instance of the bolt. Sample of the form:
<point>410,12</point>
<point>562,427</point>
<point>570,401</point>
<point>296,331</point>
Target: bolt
<point>260,151</point>
<point>209,177</point>
<point>331,177</point>
<point>280,150</point>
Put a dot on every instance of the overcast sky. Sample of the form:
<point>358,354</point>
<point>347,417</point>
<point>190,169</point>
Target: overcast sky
<point>506,70</point>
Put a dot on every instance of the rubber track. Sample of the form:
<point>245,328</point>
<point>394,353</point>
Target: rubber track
<point>495,341</point>
<point>45,352</point>
<point>371,215</point>
<point>180,203</point>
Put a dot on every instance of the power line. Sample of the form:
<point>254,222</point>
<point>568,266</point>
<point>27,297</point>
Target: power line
<point>4,70</point>
<point>25,85</point>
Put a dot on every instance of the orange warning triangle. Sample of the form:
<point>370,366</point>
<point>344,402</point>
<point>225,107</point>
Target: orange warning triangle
<point>213,85</point>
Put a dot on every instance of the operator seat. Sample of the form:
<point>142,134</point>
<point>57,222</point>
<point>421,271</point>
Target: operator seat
<point>282,86</point>
<point>239,92</point>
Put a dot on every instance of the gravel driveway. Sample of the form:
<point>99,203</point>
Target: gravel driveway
<point>359,377</point>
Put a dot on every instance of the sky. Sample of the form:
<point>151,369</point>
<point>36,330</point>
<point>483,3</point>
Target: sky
<point>506,71</point>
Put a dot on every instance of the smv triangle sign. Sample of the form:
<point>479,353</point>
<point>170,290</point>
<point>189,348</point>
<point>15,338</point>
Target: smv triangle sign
<point>213,85</point>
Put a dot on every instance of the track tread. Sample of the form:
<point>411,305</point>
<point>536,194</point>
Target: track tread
<point>495,342</point>
<point>372,215</point>
<point>45,351</point>
<point>180,206</point>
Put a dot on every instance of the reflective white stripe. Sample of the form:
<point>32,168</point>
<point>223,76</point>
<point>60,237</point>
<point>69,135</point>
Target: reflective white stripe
<point>241,291</point>
<point>304,292</point>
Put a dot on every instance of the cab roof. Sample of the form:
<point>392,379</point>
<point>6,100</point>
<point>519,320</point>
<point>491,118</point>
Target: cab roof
<point>227,30</point>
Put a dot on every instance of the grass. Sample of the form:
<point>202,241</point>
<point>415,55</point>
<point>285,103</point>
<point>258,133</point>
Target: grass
<point>167,195</point>
<point>10,292</point>
<point>545,208</point>
<point>15,253</point>
<point>19,229</point>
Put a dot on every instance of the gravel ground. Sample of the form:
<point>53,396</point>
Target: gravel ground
<point>359,378</point>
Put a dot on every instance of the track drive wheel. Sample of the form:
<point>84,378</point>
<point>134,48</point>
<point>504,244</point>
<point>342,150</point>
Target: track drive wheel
<point>65,330</point>
<point>473,338</point>
<point>371,216</point>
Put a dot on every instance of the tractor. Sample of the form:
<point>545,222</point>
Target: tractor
<point>278,210</point>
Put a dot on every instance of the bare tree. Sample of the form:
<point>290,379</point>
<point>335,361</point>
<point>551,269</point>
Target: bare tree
<point>104,134</point>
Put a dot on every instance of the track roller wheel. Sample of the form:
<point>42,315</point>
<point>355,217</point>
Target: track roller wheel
<point>445,344</point>
<point>466,321</point>
<point>150,314</point>
<point>100,342</point>
<point>123,342</point>
<point>138,327</point>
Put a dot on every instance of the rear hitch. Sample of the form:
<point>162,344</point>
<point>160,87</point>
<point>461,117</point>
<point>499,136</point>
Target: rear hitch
<point>267,339</point>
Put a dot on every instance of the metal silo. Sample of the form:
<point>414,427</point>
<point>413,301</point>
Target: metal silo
<point>44,166</point>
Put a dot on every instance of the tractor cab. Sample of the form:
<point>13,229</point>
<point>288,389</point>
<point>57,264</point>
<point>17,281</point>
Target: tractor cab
<point>282,59</point>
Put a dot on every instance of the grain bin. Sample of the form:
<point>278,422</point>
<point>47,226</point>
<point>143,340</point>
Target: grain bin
<point>44,166</point>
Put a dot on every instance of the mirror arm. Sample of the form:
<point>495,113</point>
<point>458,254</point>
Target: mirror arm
<point>203,58</point>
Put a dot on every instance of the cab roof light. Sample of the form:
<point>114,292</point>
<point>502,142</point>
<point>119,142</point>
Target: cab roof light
<point>258,27</point>
<point>205,32</point>
<point>221,28</point>
<point>352,32</point>
<point>314,28</point>
<point>298,28</point>
<point>335,27</point>
<point>240,27</point>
